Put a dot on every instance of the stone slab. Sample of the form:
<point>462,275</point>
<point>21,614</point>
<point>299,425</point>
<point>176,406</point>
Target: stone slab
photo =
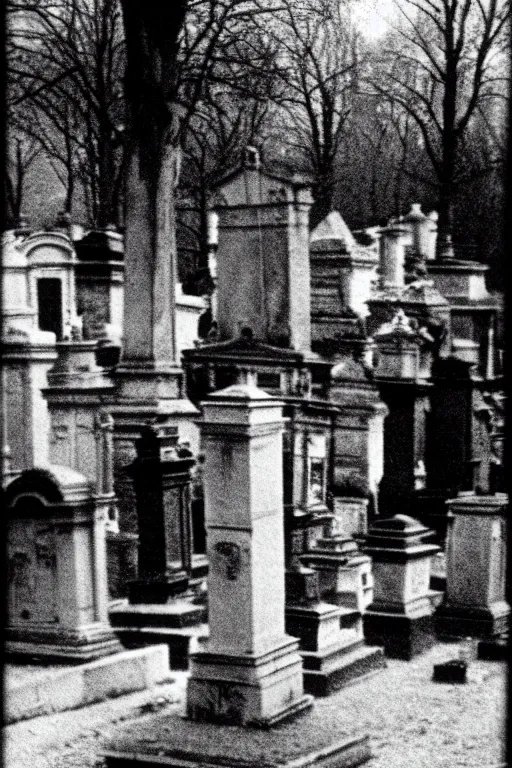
<point>316,737</point>
<point>86,684</point>
<point>79,653</point>
<point>180,642</point>
<point>181,613</point>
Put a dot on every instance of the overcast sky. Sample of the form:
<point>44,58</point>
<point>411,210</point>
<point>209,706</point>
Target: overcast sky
<point>372,17</point>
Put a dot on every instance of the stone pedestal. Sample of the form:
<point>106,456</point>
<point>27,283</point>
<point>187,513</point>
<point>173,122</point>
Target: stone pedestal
<point>250,671</point>
<point>331,634</point>
<point>401,615</point>
<point>345,573</point>
<point>475,602</point>
<point>402,373</point>
<point>358,441</point>
<point>332,659</point>
<point>57,604</point>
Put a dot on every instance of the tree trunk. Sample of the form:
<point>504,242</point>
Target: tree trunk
<point>151,30</point>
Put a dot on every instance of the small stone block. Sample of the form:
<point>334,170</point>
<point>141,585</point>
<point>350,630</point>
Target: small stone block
<point>454,671</point>
<point>494,649</point>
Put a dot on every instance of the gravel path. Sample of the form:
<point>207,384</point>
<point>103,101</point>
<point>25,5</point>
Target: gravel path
<point>412,721</point>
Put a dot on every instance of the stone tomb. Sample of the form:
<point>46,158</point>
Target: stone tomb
<point>57,585</point>
<point>475,602</point>
<point>401,615</point>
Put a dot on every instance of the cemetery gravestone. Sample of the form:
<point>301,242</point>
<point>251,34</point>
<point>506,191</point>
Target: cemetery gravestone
<point>250,671</point>
<point>475,602</point>
<point>57,590</point>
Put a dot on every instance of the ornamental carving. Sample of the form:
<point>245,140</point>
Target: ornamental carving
<point>231,558</point>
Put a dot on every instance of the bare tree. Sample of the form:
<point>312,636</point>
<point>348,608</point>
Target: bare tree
<point>67,65</point>
<point>317,68</point>
<point>446,64</point>
<point>22,152</point>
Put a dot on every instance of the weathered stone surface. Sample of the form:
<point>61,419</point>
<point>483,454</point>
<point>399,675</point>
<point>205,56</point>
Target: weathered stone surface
<point>88,683</point>
<point>249,671</point>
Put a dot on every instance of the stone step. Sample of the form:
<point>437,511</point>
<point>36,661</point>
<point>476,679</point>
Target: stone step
<point>77,686</point>
<point>178,614</point>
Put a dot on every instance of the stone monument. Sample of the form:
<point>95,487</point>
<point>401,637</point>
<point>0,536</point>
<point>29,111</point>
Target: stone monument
<point>163,604</point>
<point>57,583</point>
<point>401,615</point>
<point>250,671</point>
<point>475,603</point>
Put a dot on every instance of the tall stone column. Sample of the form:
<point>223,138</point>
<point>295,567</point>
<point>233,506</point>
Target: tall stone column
<point>250,671</point>
<point>149,378</point>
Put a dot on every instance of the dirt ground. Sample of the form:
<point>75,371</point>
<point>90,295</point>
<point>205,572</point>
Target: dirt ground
<point>412,721</point>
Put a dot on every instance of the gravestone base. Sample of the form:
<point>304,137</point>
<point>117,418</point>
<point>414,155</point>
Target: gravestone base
<point>158,590</point>
<point>401,636</point>
<point>331,646</point>
<point>347,753</point>
<point>331,669</point>
<point>259,690</point>
<point>179,624</point>
<point>316,738</point>
<point>67,645</point>
<point>485,622</point>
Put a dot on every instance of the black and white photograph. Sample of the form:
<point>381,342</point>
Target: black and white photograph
<point>254,462</point>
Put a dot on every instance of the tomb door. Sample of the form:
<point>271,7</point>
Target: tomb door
<point>49,304</point>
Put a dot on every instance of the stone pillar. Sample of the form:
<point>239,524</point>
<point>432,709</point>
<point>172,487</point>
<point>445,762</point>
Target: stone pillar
<point>401,615</point>
<point>392,258</point>
<point>402,373</point>
<point>431,236</point>
<point>358,441</point>
<point>149,379</point>
<point>420,227</point>
<point>57,606</point>
<point>250,671</point>
<point>475,602</point>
